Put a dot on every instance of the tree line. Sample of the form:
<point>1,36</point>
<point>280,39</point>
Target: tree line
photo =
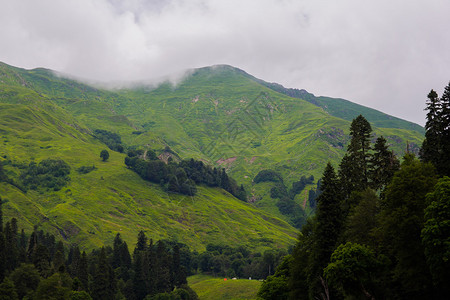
<point>39,267</point>
<point>382,229</point>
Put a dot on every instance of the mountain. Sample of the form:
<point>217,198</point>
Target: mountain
<point>220,115</point>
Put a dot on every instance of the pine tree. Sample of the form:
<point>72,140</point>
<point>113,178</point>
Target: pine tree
<point>152,265</point>
<point>164,280</point>
<point>436,146</point>
<point>82,271</point>
<point>329,223</point>
<point>139,286</point>
<point>104,282</point>
<point>41,260</point>
<point>179,272</point>
<point>59,258</point>
<point>354,167</point>
<point>116,251</point>
<point>431,146</point>
<point>383,164</point>
<point>32,244</point>
<point>444,165</point>
<point>74,261</point>
<point>11,255</point>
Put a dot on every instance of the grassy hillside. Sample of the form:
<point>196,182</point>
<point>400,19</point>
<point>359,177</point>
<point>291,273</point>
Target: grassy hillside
<point>208,287</point>
<point>220,115</point>
<point>93,207</point>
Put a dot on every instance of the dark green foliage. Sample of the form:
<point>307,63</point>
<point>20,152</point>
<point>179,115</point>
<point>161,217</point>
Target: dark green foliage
<point>3,261</point>
<point>26,279</point>
<point>111,139</point>
<point>383,164</point>
<point>104,155</point>
<point>58,287</point>
<point>238,262</point>
<point>329,217</point>
<point>104,281</point>
<point>59,264</point>
<point>286,205</point>
<point>49,174</point>
<point>401,221</point>
<point>348,212</point>
<point>436,235</point>
<point>155,269</point>
<point>298,186</point>
<point>8,290</point>
<point>436,146</point>
<point>354,168</point>
<point>301,265</point>
<point>80,295</point>
<point>352,271</point>
<point>41,260</point>
<point>267,175</point>
<point>86,169</point>
<point>183,177</point>
<point>277,286</point>
<point>361,222</point>
<point>278,191</point>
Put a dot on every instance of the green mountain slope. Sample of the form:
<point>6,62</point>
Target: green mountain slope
<point>345,109</point>
<point>93,207</point>
<point>220,115</point>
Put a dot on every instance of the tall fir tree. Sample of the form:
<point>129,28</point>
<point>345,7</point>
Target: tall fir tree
<point>163,272</point>
<point>436,146</point>
<point>329,224</point>
<point>117,244</point>
<point>82,271</point>
<point>444,165</point>
<point>431,146</point>
<point>354,167</point>
<point>382,165</point>
<point>104,282</point>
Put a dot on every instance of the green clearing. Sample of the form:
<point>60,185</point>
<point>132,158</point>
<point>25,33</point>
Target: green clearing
<point>210,288</point>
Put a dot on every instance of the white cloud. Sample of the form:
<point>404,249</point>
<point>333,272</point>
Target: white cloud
<point>383,54</point>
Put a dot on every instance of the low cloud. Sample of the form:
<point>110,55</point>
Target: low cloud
<point>383,54</point>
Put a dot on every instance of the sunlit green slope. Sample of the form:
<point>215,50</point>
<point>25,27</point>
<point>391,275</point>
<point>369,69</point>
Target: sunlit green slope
<point>93,207</point>
<point>220,115</point>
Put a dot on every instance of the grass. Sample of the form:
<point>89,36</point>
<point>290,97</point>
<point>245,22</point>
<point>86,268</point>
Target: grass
<point>254,127</point>
<point>208,287</point>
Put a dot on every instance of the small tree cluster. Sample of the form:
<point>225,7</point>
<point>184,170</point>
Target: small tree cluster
<point>110,139</point>
<point>183,177</point>
<point>49,173</point>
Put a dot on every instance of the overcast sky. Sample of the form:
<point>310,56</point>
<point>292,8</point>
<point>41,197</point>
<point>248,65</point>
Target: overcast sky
<point>385,54</point>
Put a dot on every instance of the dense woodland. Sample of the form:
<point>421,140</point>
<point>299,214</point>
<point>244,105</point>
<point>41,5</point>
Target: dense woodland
<point>37,266</point>
<point>382,228</point>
